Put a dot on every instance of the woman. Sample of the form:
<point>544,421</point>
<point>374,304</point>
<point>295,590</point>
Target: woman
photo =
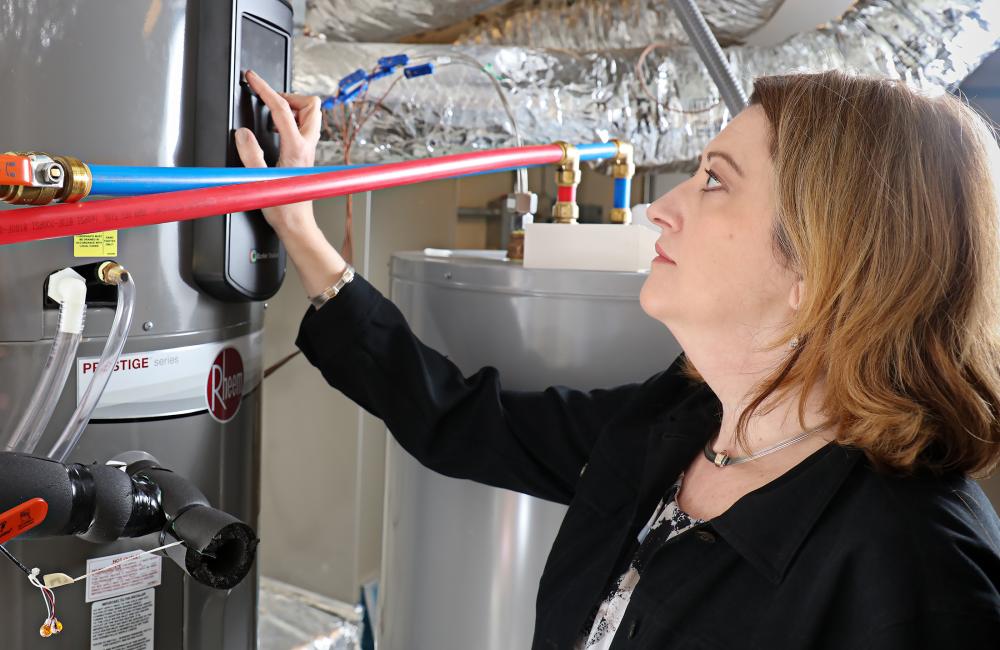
<point>798,478</point>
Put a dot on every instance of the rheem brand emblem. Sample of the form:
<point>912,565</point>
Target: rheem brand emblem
<point>225,385</point>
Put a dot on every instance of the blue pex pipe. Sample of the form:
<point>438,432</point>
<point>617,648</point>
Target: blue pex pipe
<point>623,189</point>
<point>115,180</point>
<point>598,151</point>
<point>112,180</point>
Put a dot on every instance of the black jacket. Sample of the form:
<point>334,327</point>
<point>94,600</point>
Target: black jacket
<point>830,555</point>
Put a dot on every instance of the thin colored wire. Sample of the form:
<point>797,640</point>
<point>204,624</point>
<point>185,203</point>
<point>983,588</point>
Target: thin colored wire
<point>456,58</point>
<point>47,595</point>
<point>128,559</point>
<point>10,556</point>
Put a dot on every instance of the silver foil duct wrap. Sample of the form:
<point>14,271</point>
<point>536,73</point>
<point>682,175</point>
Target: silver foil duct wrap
<point>594,96</point>
<point>387,20</point>
<point>290,618</point>
<point>598,24</point>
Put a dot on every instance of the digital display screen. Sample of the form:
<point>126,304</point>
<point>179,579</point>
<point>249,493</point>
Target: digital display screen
<point>263,51</point>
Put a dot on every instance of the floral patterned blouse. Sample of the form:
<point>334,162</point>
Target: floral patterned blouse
<point>668,521</point>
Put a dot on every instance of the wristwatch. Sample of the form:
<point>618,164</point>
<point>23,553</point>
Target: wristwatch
<point>334,289</point>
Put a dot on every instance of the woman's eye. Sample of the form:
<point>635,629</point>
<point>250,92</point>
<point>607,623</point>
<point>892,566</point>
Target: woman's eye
<point>711,177</point>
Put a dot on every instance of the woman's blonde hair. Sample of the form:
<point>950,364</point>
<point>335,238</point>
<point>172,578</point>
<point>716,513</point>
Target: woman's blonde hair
<point>887,206</point>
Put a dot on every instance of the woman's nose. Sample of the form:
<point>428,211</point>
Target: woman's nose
<point>665,212</point>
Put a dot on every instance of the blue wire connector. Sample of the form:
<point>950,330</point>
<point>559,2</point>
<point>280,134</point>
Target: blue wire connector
<point>344,98</point>
<point>380,72</point>
<point>360,79</point>
<point>418,70</point>
<point>393,61</point>
<point>353,78</point>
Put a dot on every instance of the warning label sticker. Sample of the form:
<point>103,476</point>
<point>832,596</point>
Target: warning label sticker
<point>123,623</point>
<point>96,244</point>
<point>125,577</point>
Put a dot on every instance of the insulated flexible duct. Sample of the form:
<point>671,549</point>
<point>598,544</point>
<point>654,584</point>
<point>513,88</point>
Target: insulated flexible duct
<point>386,20</point>
<point>586,96</point>
<point>602,25</point>
<point>707,47</point>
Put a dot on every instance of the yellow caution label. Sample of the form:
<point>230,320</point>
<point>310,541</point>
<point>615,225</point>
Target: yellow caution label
<point>96,244</point>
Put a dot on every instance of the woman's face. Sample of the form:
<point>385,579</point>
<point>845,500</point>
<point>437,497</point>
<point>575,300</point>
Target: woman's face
<point>717,229</point>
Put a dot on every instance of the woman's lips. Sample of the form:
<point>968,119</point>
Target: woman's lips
<point>664,256</point>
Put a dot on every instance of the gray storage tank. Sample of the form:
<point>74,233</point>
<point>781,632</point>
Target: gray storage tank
<point>461,561</point>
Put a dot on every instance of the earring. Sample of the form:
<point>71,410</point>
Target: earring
<point>794,343</point>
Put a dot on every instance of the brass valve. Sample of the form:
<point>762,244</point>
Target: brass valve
<point>50,178</point>
<point>568,177</point>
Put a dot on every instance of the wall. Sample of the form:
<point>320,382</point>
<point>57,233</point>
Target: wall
<point>323,457</point>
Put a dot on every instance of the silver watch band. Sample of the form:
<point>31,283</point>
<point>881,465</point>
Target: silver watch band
<point>334,289</point>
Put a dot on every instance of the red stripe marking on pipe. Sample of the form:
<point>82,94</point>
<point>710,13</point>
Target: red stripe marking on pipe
<point>566,193</point>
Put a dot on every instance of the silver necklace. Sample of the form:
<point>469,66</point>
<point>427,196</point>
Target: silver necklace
<point>723,459</point>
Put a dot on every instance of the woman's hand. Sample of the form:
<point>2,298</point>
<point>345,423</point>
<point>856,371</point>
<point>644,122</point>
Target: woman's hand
<point>297,119</point>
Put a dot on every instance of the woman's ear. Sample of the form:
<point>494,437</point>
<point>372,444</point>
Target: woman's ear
<point>796,293</point>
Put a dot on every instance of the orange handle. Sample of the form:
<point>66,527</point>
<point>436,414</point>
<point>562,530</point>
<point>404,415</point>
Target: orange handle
<point>15,170</point>
<point>22,518</point>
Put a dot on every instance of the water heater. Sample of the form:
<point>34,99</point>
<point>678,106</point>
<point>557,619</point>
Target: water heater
<point>150,83</point>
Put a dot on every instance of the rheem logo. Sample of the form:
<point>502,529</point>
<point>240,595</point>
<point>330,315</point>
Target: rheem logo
<point>225,385</point>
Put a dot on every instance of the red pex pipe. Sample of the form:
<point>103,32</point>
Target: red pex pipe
<point>566,193</point>
<point>30,224</point>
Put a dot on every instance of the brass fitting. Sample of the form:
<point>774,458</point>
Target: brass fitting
<point>77,179</point>
<point>70,177</point>
<point>564,212</point>
<point>623,165</point>
<point>112,273</point>
<point>621,216</point>
<point>568,174</point>
<point>515,246</point>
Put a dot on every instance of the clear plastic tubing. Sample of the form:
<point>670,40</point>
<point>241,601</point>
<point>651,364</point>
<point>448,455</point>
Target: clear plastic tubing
<point>105,367</point>
<point>72,312</point>
<point>36,417</point>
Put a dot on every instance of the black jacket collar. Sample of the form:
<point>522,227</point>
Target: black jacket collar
<point>767,526</point>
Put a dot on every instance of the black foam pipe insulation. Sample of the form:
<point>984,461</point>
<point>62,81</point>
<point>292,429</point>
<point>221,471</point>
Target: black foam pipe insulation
<point>101,503</point>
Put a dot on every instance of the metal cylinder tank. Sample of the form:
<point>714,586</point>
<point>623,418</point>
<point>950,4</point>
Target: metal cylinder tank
<point>123,83</point>
<point>461,561</point>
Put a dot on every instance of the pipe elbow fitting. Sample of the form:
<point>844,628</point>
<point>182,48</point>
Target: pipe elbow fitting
<point>623,165</point>
<point>69,289</point>
<point>219,549</point>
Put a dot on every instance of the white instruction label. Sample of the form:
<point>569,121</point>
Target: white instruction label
<point>123,623</point>
<point>141,573</point>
